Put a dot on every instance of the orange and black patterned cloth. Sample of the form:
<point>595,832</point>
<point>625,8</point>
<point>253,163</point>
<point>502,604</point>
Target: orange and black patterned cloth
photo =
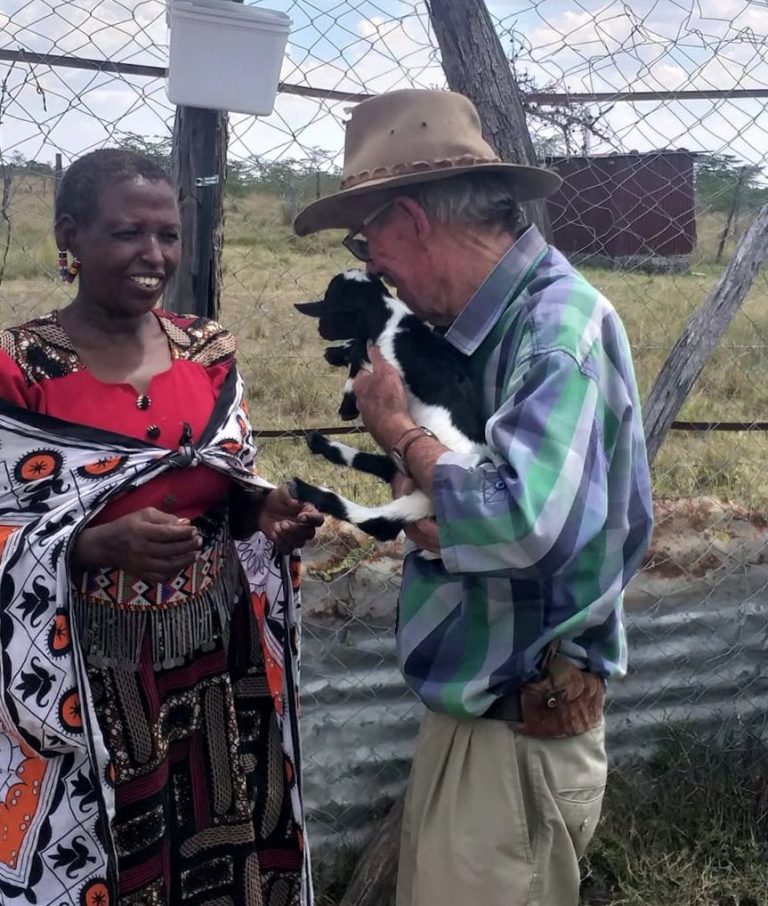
<point>149,747</point>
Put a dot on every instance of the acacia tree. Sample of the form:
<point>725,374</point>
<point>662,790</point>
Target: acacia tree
<point>720,177</point>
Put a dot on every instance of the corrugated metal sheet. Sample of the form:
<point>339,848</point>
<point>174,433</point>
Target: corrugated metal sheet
<point>625,205</point>
<point>698,654</point>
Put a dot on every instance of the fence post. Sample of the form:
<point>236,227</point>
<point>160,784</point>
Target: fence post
<point>198,165</point>
<point>58,174</point>
<point>476,66</point>
<point>198,162</point>
<point>702,333</point>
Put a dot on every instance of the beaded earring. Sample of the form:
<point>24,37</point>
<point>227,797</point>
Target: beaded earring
<point>74,270</point>
<point>68,272</point>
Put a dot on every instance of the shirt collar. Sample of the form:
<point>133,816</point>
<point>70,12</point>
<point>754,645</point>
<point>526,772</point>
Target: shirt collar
<point>480,314</point>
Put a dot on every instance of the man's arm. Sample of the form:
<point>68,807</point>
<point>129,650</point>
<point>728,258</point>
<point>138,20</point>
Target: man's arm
<point>383,407</point>
<point>539,499</point>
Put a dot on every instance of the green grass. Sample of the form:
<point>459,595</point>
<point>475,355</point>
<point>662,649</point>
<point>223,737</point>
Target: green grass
<point>266,269</point>
<point>689,828</point>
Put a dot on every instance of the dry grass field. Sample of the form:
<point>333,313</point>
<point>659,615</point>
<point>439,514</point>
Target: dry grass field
<point>266,269</point>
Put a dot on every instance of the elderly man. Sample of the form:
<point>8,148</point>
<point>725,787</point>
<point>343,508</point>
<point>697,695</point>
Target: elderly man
<point>508,638</point>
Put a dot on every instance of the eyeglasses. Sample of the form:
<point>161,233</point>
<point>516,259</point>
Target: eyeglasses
<point>357,244</point>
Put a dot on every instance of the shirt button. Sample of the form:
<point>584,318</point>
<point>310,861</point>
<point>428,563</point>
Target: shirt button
<point>499,485</point>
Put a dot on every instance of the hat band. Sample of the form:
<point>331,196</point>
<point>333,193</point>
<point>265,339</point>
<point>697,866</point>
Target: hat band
<point>417,166</point>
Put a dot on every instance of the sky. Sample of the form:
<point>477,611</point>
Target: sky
<point>359,45</point>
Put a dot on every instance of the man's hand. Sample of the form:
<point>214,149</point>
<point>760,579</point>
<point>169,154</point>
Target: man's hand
<point>288,523</point>
<point>149,544</point>
<point>423,533</point>
<point>381,400</point>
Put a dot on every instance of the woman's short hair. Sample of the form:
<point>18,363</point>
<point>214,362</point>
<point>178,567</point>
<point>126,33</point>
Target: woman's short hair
<point>85,179</point>
<point>474,199</point>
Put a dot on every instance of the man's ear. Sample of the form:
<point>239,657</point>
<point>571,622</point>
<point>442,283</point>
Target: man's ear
<point>415,217</point>
<point>65,231</point>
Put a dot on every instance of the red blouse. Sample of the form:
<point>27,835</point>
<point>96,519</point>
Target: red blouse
<point>40,370</point>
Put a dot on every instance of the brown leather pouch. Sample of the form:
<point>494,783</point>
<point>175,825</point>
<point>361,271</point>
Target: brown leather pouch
<point>566,702</point>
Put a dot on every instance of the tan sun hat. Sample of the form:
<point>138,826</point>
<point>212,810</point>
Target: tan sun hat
<point>406,137</point>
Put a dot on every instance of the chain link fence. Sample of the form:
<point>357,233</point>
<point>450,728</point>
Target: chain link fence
<point>656,114</point>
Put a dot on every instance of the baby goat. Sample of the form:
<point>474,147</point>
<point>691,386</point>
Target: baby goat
<point>356,309</point>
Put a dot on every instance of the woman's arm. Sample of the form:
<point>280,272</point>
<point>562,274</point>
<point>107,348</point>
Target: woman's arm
<point>288,523</point>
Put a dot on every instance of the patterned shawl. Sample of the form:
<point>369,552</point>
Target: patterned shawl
<point>56,801</point>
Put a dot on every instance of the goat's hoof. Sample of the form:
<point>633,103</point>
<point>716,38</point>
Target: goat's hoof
<point>293,488</point>
<point>348,409</point>
<point>316,442</point>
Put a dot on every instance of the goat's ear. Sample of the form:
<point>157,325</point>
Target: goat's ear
<point>315,309</point>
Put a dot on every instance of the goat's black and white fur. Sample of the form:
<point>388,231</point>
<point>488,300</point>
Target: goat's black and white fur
<point>356,309</point>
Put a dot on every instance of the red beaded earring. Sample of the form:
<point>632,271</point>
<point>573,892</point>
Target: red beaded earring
<point>68,272</point>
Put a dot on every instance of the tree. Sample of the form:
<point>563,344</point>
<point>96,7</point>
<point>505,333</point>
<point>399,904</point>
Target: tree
<point>156,147</point>
<point>722,181</point>
<point>569,127</point>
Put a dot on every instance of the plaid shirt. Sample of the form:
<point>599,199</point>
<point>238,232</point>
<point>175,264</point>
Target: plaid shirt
<point>539,540</point>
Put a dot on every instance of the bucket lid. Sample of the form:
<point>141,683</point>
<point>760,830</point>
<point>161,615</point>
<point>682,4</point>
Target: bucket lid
<point>229,10</point>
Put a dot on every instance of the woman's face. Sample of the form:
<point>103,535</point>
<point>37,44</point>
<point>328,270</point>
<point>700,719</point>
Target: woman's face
<point>131,248</point>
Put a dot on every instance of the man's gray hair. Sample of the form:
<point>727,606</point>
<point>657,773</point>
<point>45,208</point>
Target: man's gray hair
<point>474,199</point>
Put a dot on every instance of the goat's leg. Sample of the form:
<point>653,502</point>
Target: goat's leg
<point>377,464</point>
<point>383,522</point>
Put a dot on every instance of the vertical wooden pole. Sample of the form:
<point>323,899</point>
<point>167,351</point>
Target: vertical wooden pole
<point>58,173</point>
<point>476,66</point>
<point>198,165</point>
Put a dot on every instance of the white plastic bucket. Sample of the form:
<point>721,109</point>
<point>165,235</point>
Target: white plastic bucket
<point>225,55</point>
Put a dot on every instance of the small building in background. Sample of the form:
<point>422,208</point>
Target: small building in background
<point>631,210</point>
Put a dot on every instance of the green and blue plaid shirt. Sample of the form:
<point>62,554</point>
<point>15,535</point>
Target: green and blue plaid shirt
<point>539,540</point>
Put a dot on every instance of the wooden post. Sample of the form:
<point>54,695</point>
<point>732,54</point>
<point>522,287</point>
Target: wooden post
<point>476,66</point>
<point>58,174</point>
<point>198,165</point>
<point>373,883</point>
<point>703,332</point>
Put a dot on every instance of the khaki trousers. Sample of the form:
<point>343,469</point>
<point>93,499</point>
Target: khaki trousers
<point>494,818</point>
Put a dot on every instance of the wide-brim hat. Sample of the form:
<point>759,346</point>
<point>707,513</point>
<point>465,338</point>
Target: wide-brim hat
<point>412,136</point>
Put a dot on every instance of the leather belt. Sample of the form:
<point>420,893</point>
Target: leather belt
<point>508,708</point>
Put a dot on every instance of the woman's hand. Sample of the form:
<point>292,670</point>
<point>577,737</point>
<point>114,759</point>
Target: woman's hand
<point>148,544</point>
<point>288,523</point>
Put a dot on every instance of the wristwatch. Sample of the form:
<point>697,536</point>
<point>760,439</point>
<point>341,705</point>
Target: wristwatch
<point>400,449</point>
